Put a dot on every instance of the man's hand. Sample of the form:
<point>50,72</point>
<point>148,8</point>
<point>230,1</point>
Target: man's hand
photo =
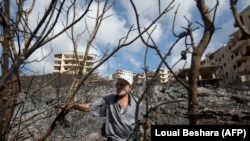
<point>67,107</point>
<point>70,106</point>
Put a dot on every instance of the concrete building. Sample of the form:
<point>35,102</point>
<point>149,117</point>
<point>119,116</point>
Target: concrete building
<point>234,57</point>
<point>162,77</point>
<point>68,64</point>
<point>230,64</point>
<point>120,71</point>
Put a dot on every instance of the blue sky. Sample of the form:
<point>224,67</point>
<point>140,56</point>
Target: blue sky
<point>115,27</point>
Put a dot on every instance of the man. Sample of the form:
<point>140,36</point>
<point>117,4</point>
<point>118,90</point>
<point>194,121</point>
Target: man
<point>119,110</point>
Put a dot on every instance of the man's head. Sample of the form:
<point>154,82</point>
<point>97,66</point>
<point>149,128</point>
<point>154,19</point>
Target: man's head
<point>124,84</point>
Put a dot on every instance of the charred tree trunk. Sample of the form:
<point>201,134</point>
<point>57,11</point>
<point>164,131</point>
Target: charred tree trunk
<point>4,91</point>
<point>9,89</point>
<point>193,104</point>
<point>196,58</point>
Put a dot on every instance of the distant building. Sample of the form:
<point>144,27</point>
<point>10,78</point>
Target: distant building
<point>67,63</point>
<point>119,72</point>
<point>162,77</point>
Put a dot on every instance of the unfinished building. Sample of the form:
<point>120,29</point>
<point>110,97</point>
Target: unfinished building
<point>230,64</point>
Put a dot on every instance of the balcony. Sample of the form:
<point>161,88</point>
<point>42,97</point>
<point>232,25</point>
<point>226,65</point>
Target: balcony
<point>242,59</point>
<point>56,71</point>
<point>70,65</point>
<point>239,45</point>
<point>57,65</point>
<point>246,51</point>
<point>58,59</point>
<point>243,56</point>
<point>244,69</point>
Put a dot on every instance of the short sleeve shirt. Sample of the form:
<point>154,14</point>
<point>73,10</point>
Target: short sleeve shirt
<point>119,125</point>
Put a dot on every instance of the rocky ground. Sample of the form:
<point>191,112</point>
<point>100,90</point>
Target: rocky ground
<point>217,106</point>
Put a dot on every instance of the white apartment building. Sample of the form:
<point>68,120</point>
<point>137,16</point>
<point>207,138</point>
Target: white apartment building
<point>68,64</point>
<point>120,71</point>
<point>162,77</point>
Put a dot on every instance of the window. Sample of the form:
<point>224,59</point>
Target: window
<point>236,54</point>
<point>239,64</point>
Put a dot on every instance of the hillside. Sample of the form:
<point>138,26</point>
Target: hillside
<point>217,106</point>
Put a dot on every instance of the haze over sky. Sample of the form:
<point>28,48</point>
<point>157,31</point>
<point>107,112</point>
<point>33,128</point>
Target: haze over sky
<point>115,27</point>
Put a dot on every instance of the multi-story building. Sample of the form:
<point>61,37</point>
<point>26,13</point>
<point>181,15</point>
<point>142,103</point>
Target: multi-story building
<point>68,63</point>
<point>119,72</point>
<point>230,64</point>
<point>162,77</point>
<point>234,57</point>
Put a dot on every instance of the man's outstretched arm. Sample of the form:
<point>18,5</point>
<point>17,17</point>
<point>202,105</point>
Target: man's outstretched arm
<point>79,106</point>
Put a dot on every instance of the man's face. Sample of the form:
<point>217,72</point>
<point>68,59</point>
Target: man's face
<point>122,87</point>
